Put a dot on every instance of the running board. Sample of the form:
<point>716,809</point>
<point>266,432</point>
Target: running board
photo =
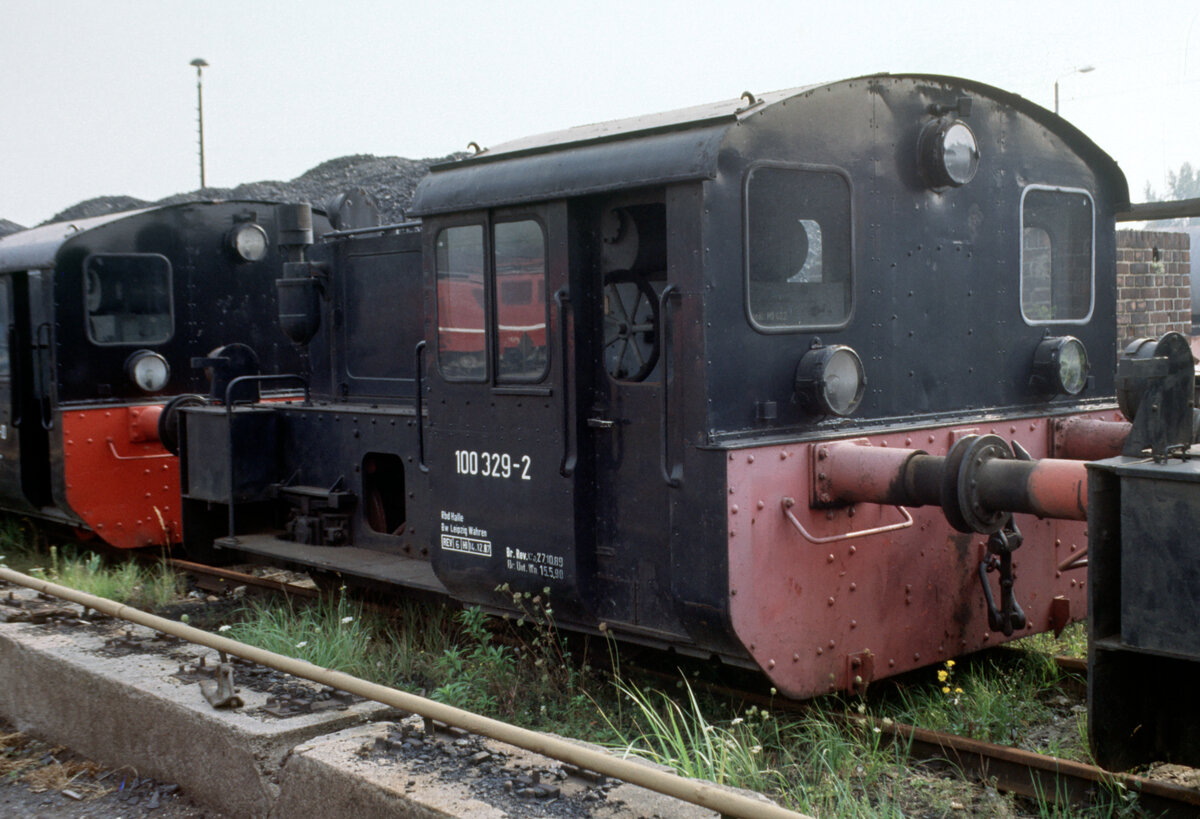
<point>352,561</point>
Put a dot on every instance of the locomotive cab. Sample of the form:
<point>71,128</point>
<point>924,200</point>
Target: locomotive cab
<point>101,318</point>
<point>895,261</point>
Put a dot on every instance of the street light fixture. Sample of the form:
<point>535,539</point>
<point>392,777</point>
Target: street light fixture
<point>200,66</point>
<point>1081,70</point>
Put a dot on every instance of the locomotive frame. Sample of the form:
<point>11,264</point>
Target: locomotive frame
<point>722,293</point>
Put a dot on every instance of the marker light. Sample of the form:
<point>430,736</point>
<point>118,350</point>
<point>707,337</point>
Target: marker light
<point>148,370</point>
<point>949,153</point>
<point>249,241</point>
<point>830,380</point>
<point>1060,366</point>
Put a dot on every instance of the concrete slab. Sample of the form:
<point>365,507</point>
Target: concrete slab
<point>112,691</point>
<point>395,770</point>
<point>123,708</point>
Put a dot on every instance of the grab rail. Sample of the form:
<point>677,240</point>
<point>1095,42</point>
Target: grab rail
<point>566,467</point>
<point>674,475</point>
<point>420,354</point>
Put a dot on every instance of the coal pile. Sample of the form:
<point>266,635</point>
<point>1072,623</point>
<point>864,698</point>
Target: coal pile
<point>390,180</point>
<point>7,227</point>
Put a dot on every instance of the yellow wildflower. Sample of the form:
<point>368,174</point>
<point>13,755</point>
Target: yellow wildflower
<point>945,689</point>
<point>943,675</point>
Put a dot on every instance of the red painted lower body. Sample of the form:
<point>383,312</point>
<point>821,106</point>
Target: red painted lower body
<point>823,610</point>
<point>120,480</point>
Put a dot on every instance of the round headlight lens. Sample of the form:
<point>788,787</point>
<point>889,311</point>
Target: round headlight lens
<point>960,153</point>
<point>831,381</point>
<point>148,370</point>
<point>949,153</point>
<point>1072,366</point>
<point>1060,366</point>
<point>249,242</point>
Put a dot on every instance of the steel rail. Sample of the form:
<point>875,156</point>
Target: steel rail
<point>707,795</point>
<point>1013,770</point>
<point>241,578</point>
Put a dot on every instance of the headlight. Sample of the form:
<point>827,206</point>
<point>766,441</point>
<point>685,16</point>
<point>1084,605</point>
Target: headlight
<point>830,381</point>
<point>249,241</point>
<point>148,370</point>
<point>1060,366</point>
<point>949,153</point>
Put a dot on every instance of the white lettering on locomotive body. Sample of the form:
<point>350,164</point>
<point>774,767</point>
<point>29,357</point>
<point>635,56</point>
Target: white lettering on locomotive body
<point>492,464</point>
<point>538,564</point>
<point>456,536</point>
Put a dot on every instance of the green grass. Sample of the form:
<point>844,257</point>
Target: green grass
<point>1072,642</point>
<point>148,586</point>
<point>822,762</point>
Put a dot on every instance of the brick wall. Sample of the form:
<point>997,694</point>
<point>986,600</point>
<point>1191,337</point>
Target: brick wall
<point>1154,293</point>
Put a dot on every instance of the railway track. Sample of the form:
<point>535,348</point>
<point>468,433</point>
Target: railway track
<point>1009,769</point>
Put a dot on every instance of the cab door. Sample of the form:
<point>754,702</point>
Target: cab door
<point>10,448</point>
<point>497,442</point>
<point>630,446</point>
<point>24,440</point>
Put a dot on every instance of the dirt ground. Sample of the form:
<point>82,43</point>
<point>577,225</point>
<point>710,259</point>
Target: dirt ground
<point>49,782</point>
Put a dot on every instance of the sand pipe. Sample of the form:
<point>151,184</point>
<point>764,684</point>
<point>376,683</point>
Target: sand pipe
<point>700,793</point>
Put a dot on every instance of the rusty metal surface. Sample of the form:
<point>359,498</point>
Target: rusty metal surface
<point>1039,776</point>
<point>1089,439</point>
<point>803,610</point>
<point>241,578</point>
<point>1013,770</point>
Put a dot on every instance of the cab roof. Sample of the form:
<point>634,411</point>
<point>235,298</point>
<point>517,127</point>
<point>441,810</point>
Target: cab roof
<point>672,146</point>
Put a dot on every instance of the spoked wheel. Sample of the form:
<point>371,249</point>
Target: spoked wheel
<point>630,326</point>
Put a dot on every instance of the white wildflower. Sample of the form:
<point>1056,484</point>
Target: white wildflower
<point>347,620</point>
<point>302,644</point>
<point>224,628</point>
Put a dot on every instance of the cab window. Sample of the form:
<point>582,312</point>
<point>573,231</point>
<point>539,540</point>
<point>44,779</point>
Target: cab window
<point>461,307</point>
<point>798,259</point>
<point>1057,266</point>
<point>127,298</point>
<point>520,335</point>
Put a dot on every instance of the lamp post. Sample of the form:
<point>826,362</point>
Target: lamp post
<point>201,65</point>
<point>1081,70</point>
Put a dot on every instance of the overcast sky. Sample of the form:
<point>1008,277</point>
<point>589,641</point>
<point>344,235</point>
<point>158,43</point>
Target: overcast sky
<point>99,97</point>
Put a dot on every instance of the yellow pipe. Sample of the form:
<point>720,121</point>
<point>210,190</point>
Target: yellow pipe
<point>695,791</point>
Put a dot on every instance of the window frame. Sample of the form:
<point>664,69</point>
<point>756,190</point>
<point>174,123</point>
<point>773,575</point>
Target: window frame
<point>1087,318</point>
<point>491,326</point>
<point>87,313</point>
<point>493,280</point>
<point>851,264</point>
<point>482,223</point>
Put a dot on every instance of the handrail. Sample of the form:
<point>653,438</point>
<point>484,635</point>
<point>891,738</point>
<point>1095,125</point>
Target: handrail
<point>566,466</point>
<point>44,407</point>
<point>788,503</point>
<point>674,475</point>
<point>420,354</point>
<point>18,390</point>
<point>1155,211</point>
<point>112,447</point>
<point>241,379</point>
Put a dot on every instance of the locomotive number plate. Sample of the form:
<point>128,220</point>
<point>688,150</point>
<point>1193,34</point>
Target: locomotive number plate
<point>492,464</point>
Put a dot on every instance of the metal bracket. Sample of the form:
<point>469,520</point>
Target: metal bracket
<point>221,693</point>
